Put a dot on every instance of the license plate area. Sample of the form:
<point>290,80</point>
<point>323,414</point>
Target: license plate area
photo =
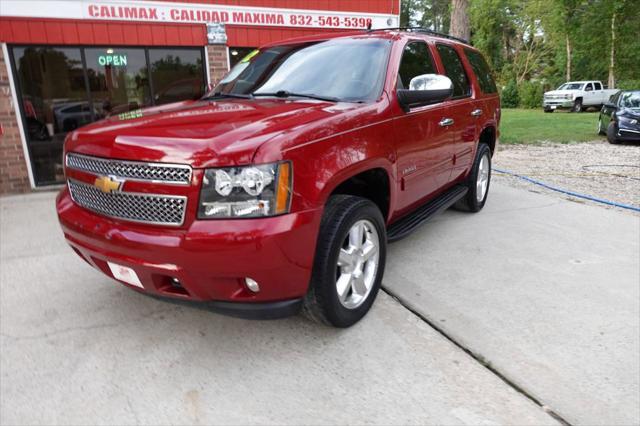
<point>124,274</point>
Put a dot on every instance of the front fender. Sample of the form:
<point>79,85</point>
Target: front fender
<point>320,166</point>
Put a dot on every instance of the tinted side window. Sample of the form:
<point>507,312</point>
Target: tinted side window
<point>482,71</point>
<point>589,88</point>
<point>598,86</point>
<point>454,70</point>
<point>416,60</point>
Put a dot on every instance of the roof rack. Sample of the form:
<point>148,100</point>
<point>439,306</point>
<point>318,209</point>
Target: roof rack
<point>423,31</point>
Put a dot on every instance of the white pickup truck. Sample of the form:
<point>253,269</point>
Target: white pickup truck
<point>577,95</point>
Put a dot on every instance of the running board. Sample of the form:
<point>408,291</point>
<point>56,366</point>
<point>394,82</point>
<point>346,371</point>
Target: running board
<point>424,213</point>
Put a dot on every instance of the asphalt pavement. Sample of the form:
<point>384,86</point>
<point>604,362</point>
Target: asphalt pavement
<point>528,307</point>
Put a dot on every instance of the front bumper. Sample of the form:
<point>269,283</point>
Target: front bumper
<point>557,103</point>
<point>628,133</point>
<point>208,260</point>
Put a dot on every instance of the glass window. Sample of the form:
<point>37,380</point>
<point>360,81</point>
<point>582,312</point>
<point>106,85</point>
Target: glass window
<point>52,84</point>
<point>454,70</point>
<point>589,88</point>
<point>630,99</point>
<point>598,86</point>
<point>416,60</point>
<point>236,54</point>
<point>571,86</point>
<point>482,71</point>
<point>346,69</point>
<point>118,80</point>
<point>176,74</point>
<point>54,101</point>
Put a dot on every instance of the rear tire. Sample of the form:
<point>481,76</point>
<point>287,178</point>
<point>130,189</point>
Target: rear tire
<point>349,263</point>
<point>548,110</point>
<point>477,182</point>
<point>611,134</point>
<point>600,129</point>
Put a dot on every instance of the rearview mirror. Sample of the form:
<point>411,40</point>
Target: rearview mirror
<point>425,89</point>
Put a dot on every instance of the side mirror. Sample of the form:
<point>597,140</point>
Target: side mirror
<point>425,89</point>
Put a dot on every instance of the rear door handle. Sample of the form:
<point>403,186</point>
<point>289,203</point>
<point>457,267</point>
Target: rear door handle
<point>446,122</point>
<point>476,112</point>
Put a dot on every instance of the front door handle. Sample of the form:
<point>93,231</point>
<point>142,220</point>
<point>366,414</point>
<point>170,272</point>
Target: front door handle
<point>446,122</point>
<point>476,112</point>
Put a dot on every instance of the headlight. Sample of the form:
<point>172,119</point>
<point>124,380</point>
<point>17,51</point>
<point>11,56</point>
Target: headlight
<point>250,191</point>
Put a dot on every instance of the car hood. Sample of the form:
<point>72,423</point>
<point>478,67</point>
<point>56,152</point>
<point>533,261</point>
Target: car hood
<point>560,92</point>
<point>630,112</point>
<point>204,133</point>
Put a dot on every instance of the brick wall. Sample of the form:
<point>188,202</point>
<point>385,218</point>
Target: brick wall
<point>14,177</point>
<point>218,63</point>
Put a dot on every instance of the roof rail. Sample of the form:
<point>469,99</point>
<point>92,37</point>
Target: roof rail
<point>421,30</point>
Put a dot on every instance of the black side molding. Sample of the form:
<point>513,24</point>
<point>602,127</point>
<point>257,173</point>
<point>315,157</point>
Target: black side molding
<point>422,214</point>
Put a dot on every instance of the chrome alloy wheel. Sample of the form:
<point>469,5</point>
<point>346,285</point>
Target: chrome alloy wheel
<point>357,264</point>
<point>482,180</point>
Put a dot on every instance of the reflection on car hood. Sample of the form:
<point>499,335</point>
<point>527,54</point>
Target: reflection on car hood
<point>202,133</point>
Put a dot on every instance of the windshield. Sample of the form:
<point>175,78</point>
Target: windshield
<point>346,69</point>
<point>571,86</point>
<point>630,100</point>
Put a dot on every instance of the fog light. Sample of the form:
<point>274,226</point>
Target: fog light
<point>252,285</point>
<point>175,282</point>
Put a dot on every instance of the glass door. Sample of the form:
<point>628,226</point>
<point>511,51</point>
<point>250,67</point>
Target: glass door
<point>54,101</point>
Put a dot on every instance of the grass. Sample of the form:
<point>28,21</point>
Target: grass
<point>534,125</point>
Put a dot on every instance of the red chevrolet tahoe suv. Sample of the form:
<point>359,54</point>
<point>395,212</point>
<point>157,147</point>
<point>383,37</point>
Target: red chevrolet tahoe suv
<point>279,190</point>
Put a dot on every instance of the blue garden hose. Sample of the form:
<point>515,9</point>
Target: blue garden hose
<point>565,191</point>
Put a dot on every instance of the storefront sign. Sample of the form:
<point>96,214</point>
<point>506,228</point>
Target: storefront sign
<point>153,11</point>
<point>216,34</point>
<point>112,60</point>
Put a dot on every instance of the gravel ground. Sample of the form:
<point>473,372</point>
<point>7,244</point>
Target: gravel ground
<point>597,168</point>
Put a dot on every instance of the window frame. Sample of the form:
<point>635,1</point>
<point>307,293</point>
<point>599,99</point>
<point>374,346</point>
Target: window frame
<point>468,52</point>
<point>444,69</point>
<point>89,98</point>
<point>429,51</point>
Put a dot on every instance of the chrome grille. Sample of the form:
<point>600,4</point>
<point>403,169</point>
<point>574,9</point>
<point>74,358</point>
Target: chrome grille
<point>132,170</point>
<point>137,207</point>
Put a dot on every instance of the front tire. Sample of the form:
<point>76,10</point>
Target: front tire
<point>611,134</point>
<point>577,105</point>
<point>477,182</point>
<point>349,263</point>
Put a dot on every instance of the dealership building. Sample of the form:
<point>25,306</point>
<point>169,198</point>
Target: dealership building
<point>67,63</point>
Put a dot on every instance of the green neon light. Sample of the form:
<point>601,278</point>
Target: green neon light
<point>112,60</point>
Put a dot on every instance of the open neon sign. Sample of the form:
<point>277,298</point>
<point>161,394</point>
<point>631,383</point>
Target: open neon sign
<point>112,60</point>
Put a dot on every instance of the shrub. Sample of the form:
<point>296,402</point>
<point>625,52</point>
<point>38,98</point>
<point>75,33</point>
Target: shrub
<point>531,94</point>
<point>628,85</point>
<point>510,97</point>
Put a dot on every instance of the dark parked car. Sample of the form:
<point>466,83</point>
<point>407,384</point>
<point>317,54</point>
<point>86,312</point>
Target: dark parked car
<point>620,117</point>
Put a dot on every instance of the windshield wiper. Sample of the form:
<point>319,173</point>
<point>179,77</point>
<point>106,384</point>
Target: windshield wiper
<point>287,94</point>
<point>228,95</point>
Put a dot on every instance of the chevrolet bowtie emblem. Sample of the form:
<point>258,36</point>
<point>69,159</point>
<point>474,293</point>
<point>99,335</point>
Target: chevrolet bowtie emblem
<point>108,184</point>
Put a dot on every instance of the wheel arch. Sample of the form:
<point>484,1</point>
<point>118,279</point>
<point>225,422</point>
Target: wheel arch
<point>370,180</point>
<point>489,135</point>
